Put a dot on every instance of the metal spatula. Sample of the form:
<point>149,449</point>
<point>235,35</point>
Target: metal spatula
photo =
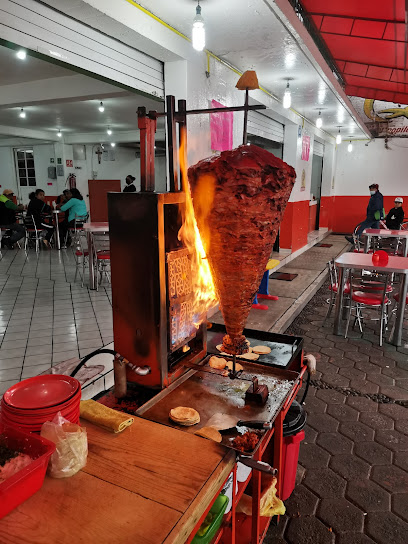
<point>226,422</point>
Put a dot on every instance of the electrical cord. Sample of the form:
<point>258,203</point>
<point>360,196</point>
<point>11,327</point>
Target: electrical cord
<point>89,356</point>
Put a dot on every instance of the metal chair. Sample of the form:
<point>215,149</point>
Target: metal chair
<point>78,225</point>
<point>334,286</point>
<point>81,254</point>
<point>102,253</point>
<point>375,297</point>
<point>32,233</point>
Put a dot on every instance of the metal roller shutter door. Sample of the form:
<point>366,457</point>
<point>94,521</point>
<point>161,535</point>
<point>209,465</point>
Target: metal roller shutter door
<point>261,125</point>
<point>37,27</point>
<point>318,149</point>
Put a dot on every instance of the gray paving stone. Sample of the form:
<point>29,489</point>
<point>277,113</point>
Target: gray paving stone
<point>357,431</point>
<point>334,443</point>
<point>386,528</point>
<point>323,422</point>
<point>377,421</point>
<point>391,478</point>
<point>302,502</point>
<point>400,505</point>
<point>325,483</point>
<point>393,440</point>
<point>342,412</point>
<point>330,396</point>
<point>373,453</point>
<point>312,456</point>
<point>340,515</point>
<point>362,404</point>
<point>367,495</point>
<point>312,530</point>
<point>349,466</point>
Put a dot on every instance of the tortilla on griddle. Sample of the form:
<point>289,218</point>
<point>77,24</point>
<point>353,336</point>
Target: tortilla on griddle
<point>210,433</point>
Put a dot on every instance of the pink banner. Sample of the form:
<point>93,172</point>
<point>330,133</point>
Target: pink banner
<point>305,147</point>
<point>221,125</point>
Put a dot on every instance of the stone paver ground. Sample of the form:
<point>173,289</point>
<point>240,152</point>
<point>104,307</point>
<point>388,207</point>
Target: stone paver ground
<point>353,465</point>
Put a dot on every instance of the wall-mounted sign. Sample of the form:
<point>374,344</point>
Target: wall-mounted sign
<point>59,161</point>
<point>221,125</point>
<point>52,160</point>
<point>69,163</point>
<point>305,147</point>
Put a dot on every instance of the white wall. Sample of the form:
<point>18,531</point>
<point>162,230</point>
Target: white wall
<point>355,171</point>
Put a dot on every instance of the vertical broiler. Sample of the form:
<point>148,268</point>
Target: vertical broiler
<point>154,317</point>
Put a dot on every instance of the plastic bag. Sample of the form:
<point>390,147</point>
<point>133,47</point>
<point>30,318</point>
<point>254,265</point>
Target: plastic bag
<point>270,504</point>
<point>72,446</point>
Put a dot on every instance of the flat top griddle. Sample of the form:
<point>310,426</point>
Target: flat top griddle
<point>283,348</point>
<point>211,393</point>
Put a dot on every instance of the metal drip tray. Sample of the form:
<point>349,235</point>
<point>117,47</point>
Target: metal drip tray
<point>285,349</point>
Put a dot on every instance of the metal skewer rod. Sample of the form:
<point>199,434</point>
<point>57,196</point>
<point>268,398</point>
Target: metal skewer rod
<point>246,116</point>
<point>234,363</point>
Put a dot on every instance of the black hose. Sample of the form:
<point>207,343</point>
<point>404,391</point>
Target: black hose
<point>89,356</point>
<point>306,388</point>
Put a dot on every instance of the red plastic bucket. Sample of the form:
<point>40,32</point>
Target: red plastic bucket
<point>290,458</point>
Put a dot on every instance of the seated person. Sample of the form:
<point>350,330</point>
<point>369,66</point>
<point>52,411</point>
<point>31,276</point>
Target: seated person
<point>76,208</point>
<point>36,209</point>
<point>8,219</point>
<point>130,187</point>
<point>61,199</point>
<point>395,216</point>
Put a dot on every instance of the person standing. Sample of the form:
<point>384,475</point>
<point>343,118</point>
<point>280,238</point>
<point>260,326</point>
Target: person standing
<point>395,216</point>
<point>130,186</point>
<point>8,219</point>
<point>37,207</point>
<point>375,212</point>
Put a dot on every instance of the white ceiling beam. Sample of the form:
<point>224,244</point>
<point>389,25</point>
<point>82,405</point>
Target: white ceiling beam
<point>74,88</point>
<point>28,133</point>
<point>102,137</point>
<point>16,142</point>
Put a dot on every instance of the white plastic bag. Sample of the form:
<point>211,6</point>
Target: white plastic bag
<point>72,446</point>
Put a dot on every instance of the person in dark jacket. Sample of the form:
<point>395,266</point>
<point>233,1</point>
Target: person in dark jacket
<point>8,219</point>
<point>375,212</point>
<point>37,208</point>
<point>396,215</point>
<point>130,187</point>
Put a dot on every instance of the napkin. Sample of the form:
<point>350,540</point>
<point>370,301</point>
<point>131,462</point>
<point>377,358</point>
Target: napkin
<point>105,417</point>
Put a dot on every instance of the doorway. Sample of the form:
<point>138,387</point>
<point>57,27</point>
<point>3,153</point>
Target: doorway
<point>316,189</point>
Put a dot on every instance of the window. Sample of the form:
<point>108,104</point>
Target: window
<point>24,159</point>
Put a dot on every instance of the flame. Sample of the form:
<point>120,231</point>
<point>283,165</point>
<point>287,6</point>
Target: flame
<point>204,296</point>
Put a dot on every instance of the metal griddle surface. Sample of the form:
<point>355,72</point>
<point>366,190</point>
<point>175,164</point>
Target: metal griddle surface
<point>211,393</point>
<point>281,355</point>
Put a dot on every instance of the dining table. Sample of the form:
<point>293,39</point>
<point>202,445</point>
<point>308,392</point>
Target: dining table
<point>370,234</point>
<point>364,261</point>
<point>91,229</point>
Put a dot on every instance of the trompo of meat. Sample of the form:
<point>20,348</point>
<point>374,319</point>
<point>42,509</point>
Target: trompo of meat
<point>239,198</point>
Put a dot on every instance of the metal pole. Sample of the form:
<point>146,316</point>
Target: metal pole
<point>182,119</point>
<point>171,143</point>
<point>244,140</point>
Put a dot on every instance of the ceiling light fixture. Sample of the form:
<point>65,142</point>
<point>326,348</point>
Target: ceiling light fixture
<point>198,33</point>
<point>59,133</point>
<point>338,138</point>
<point>287,97</point>
<point>319,120</point>
<point>22,113</point>
<point>21,54</point>
<point>101,107</point>
<point>350,147</point>
<point>109,132</point>
<point>113,144</point>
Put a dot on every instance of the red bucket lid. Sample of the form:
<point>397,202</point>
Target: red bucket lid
<point>41,391</point>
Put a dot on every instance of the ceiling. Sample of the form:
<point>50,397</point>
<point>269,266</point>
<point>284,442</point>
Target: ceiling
<point>367,40</point>
<point>268,48</point>
<point>73,115</point>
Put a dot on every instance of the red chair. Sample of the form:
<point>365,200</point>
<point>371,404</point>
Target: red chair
<point>372,298</point>
<point>102,251</point>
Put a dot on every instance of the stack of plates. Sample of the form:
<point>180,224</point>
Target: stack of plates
<point>28,404</point>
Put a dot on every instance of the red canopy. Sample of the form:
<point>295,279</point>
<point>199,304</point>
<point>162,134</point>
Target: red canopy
<point>368,41</point>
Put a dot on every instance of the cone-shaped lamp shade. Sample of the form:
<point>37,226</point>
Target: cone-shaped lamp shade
<point>239,198</point>
<point>248,80</point>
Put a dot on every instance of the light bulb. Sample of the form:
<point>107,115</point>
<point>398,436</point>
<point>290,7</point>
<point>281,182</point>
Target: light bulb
<point>101,107</point>
<point>59,133</point>
<point>319,121</point>
<point>338,138</point>
<point>113,144</point>
<point>22,113</point>
<point>350,147</point>
<point>109,132</point>
<point>21,54</point>
<point>287,98</point>
<point>198,33</point>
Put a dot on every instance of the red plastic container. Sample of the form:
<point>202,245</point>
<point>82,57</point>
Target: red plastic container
<point>29,480</point>
<point>290,457</point>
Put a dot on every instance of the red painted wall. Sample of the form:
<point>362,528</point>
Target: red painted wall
<point>295,225</point>
<point>348,211</point>
<point>326,212</point>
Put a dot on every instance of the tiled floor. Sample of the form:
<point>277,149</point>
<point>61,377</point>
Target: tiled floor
<point>45,317</point>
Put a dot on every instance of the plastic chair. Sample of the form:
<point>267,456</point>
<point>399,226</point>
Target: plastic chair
<point>373,299</point>
<point>32,232</point>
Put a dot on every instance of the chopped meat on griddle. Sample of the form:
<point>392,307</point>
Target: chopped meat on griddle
<point>239,198</point>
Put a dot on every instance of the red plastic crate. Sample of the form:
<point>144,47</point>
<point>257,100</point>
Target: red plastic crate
<point>290,457</point>
<point>29,480</point>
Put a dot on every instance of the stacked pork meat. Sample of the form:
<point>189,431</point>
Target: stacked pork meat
<point>239,199</point>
